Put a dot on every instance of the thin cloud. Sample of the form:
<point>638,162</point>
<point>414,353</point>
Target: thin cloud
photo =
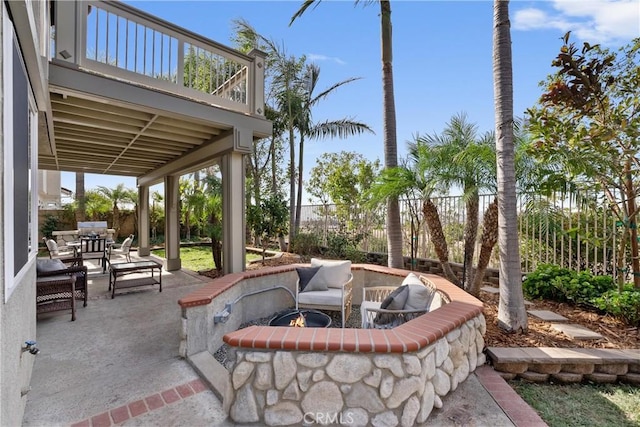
<point>596,21</point>
<point>317,57</point>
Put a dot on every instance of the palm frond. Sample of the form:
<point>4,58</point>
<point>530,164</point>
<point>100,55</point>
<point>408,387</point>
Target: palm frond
<point>303,9</point>
<point>338,128</point>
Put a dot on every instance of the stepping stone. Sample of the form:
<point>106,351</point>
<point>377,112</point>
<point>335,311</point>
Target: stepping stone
<point>548,316</point>
<point>490,289</point>
<point>576,332</point>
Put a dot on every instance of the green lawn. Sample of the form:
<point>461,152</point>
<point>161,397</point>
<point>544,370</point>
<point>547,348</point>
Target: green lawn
<point>606,405</point>
<point>198,258</point>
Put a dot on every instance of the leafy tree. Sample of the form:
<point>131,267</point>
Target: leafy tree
<point>512,315</point>
<point>268,220</point>
<point>345,178</point>
<point>588,120</point>
<point>394,229</point>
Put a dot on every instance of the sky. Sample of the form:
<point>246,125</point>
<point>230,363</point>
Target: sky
<point>442,60</point>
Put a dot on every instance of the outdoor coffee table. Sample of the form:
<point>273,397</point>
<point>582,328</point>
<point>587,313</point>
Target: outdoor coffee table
<point>124,268</point>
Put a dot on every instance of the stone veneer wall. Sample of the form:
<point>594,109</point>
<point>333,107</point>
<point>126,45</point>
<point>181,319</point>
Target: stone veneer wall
<point>358,389</point>
<point>288,376</point>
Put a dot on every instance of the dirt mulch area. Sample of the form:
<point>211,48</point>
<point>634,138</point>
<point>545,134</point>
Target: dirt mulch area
<point>616,333</point>
<point>540,334</point>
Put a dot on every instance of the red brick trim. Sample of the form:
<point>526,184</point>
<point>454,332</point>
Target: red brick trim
<point>142,406</point>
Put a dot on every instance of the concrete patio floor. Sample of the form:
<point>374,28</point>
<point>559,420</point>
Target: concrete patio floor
<point>118,364</point>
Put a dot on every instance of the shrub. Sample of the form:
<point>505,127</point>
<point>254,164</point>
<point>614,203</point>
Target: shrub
<point>561,284</point>
<point>49,225</point>
<point>541,282</point>
<point>306,244</point>
<point>624,304</point>
<point>584,286</point>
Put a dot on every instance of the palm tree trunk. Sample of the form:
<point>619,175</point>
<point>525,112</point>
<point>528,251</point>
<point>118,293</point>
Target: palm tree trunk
<point>512,315</point>
<point>292,185</point>
<point>631,202</point>
<point>432,219</point>
<point>274,178</point>
<point>488,241</point>
<point>299,197</point>
<point>394,229</point>
<point>470,236</point>
<point>81,213</point>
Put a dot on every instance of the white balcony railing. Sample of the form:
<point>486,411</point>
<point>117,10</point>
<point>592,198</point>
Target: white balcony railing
<point>118,40</point>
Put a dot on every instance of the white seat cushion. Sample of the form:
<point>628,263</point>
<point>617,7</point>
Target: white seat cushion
<point>368,323</point>
<point>331,296</point>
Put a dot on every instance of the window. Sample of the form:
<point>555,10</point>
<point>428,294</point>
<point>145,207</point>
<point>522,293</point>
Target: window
<point>20,139</point>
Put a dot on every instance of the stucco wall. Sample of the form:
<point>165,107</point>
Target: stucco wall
<point>18,324</point>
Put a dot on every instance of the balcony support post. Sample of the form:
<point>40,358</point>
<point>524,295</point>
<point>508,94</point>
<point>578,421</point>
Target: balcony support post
<point>256,82</point>
<point>172,223</point>
<point>143,221</point>
<point>233,212</point>
<point>71,21</point>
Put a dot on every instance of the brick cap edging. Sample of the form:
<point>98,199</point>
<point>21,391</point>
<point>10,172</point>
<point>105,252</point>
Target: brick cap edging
<point>409,337</point>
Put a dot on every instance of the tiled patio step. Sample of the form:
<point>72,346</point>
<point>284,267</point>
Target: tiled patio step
<point>566,364</point>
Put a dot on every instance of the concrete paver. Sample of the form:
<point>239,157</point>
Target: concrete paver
<point>548,316</point>
<point>576,332</point>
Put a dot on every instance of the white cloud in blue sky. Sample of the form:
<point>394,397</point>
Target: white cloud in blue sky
<point>314,57</point>
<point>594,21</point>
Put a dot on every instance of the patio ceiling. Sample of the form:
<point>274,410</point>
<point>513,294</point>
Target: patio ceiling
<point>96,136</point>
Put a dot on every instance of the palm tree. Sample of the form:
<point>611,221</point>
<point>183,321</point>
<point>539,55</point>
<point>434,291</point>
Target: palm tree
<point>394,229</point>
<point>512,315</point>
<point>464,160</point>
<point>340,128</point>
<point>115,196</point>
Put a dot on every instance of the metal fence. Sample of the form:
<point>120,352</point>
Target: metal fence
<point>580,234</point>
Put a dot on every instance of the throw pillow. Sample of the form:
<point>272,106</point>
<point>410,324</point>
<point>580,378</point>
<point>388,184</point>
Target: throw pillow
<point>412,279</point>
<point>317,282</point>
<point>394,301</point>
<point>305,274</point>
<point>335,273</point>
<point>419,298</point>
<point>48,265</point>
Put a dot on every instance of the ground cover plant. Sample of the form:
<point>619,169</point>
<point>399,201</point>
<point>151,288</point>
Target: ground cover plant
<point>614,405</point>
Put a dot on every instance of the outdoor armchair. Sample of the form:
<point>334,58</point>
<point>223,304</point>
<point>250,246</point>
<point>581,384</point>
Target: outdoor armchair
<point>56,251</point>
<point>326,285</point>
<point>123,249</point>
<point>59,283</point>
<point>385,307</point>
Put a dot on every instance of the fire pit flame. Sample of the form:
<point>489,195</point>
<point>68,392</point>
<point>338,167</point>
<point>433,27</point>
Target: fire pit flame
<point>298,322</point>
